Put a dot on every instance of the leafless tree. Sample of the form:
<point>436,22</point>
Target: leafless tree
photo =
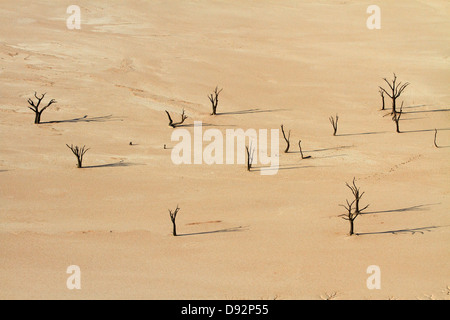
<point>79,153</point>
<point>173,217</point>
<point>396,90</point>
<point>353,213</point>
<point>35,107</point>
<point>175,124</point>
<point>250,155</point>
<point>382,98</point>
<point>396,117</point>
<point>288,144</point>
<point>301,153</point>
<point>214,98</point>
<point>334,123</point>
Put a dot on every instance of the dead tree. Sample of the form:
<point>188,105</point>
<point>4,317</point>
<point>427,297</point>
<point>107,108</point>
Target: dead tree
<point>250,155</point>
<point>334,123</point>
<point>173,216</point>
<point>301,153</point>
<point>288,144</point>
<point>396,90</point>
<point>79,153</point>
<point>435,135</point>
<point>396,118</point>
<point>35,107</point>
<point>175,124</point>
<point>352,214</point>
<point>382,98</point>
<point>214,98</point>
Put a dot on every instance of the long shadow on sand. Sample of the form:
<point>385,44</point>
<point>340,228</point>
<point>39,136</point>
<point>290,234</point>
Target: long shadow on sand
<point>420,207</point>
<point>281,167</point>
<point>114,164</point>
<point>235,229</point>
<point>359,134</point>
<point>420,230</point>
<point>86,118</point>
<point>250,111</point>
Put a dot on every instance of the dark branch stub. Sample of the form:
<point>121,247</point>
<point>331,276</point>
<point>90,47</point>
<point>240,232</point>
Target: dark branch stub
<point>288,144</point>
<point>175,124</point>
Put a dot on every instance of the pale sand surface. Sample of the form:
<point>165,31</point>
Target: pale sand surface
<point>244,235</point>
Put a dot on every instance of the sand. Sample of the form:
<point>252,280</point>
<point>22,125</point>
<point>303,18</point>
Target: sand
<point>242,235</point>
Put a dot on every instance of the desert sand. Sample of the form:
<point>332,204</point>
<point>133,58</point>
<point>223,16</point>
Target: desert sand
<point>242,235</point>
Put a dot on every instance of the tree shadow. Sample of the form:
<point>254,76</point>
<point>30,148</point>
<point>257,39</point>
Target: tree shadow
<point>191,125</point>
<point>415,106</point>
<point>424,130</point>
<point>425,111</point>
<point>328,149</point>
<point>250,111</point>
<point>420,207</point>
<point>280,167</point>
<point>113,165</point>
<point>86,118</point>
<point>420,230</point>
<point>360,134</point>
<point>234,229</point>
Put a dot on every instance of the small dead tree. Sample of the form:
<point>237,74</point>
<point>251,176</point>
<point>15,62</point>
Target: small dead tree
<point>288,144</point>
<point>352,214</point>
<point>396,118</point>
<point>334,123</point>
<point>214,98</point>
<point>35,107</point>
<point>173,216</point>
<point>79,153</point>
<point>175,124</point>
<point>435,135</point>
<point>250,154</point>
<point>382,98</point>
<point>396,90</point>
<point>301,153</point>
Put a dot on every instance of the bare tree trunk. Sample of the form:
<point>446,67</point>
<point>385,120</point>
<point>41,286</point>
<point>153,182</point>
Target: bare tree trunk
<point>173,217</point>
<point>334,123</point>
<point>351,227</point>
<point>288,144</point>
<point>435,135</point>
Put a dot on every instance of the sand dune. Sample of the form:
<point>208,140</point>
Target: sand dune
<point>243,235</point>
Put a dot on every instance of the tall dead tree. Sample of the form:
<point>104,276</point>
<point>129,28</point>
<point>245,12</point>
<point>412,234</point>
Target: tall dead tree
<point>214,98</point>
<point>353,213</point>
<point>35,107</point>
<point>175,124</point>
<point>334,123</point>
<point>396,117</point>
<point>250,154</point>
<point>396,90</point>
<point>173,217</point>
<point>301,152</point>
<point>79,153</point>
<point>288,144</point>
